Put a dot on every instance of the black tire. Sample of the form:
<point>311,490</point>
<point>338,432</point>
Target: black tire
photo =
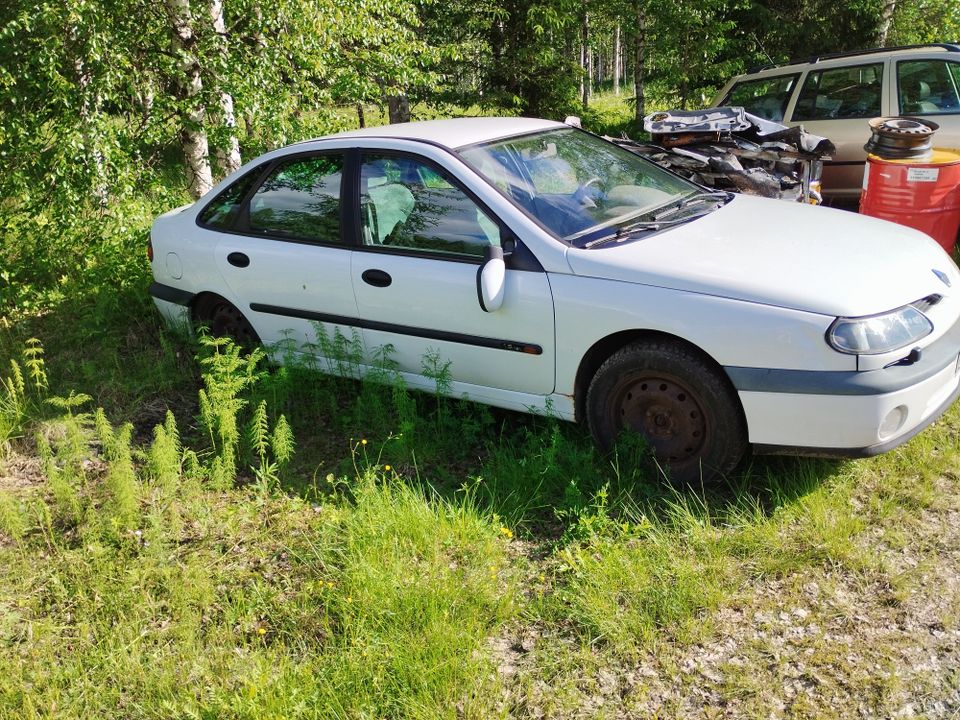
<point>223,319</point>
<point>687,411</point>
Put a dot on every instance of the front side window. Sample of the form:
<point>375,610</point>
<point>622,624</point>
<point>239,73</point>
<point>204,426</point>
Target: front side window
<point>300,199</point>
<point>841,93</point>
<point>928,86</point>
<point>576,184</point>
<point>766,97</point>
<point>408,204</point>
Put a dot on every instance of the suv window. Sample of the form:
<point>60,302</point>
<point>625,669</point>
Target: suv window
<point>848,92</point>
<point>300,199</point>
<point>928,86</point>
<point>767,97</point>
<point>406,203</point>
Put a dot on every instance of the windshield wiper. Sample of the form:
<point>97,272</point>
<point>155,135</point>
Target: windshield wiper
<point>700,197</point>
<point>624,232</point>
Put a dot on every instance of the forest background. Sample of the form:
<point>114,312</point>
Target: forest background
<point>102,101</point>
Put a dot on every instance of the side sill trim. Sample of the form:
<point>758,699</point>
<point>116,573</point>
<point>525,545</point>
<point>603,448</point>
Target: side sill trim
<point>477,340</point>
<point>171,294</point>
<point>863,452</point>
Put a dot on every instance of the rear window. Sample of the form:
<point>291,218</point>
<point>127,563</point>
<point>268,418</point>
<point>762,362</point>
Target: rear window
<point>766,97</point>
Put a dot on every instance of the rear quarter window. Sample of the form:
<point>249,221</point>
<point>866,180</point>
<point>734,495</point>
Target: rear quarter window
<point>221,212</point>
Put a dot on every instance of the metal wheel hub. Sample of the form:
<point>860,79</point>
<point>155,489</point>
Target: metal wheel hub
<point>664,411</point>
<point>227,321</point>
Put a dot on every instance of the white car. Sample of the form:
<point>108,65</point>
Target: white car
<point>559,273</point>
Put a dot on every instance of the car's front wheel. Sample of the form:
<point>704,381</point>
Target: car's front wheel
<point>685,409</point>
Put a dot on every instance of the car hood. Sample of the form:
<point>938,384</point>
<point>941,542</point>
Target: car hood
<point>791,255</point>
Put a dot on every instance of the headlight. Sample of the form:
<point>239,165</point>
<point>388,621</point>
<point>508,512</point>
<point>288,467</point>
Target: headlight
<point>879,333</point>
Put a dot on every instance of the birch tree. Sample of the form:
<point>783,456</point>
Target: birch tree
<point>189,93</point>
<point>227,149</point>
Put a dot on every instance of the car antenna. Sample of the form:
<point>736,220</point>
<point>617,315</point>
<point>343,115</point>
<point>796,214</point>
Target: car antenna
<point>762,48</point>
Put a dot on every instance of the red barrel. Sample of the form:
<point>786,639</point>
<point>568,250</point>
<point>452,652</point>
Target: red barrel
<point>922,194</point>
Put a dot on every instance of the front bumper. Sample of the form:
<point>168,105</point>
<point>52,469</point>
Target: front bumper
<point>855,414</point>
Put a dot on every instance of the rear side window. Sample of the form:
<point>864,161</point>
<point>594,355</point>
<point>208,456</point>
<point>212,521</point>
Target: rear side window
<point>841,93</point>
<point>223,209</point>
<point>767,97</point>
<point>928,86</point>
<point>300,199</point>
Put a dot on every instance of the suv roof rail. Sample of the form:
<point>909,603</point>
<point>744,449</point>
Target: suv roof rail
<point>949,47</point>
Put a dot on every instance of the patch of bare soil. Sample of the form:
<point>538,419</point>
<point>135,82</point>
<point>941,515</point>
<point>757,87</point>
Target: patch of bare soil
<point>824,643</point>
<point>20,471</point>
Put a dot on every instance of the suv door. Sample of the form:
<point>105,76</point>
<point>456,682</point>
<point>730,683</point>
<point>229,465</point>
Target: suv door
<point>415,277</point>
<point>930,88</point>
<point>286,258</point>
<point>837,103</point>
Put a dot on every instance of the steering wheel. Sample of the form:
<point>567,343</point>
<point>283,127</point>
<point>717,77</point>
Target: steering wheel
<point>585,196</point>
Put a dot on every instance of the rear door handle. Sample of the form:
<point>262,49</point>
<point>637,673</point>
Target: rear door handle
<point>377,278</point>
<point>238,259</point>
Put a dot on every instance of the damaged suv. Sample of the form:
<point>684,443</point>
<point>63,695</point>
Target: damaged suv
<point>836,95</point>
<point>559,273</point>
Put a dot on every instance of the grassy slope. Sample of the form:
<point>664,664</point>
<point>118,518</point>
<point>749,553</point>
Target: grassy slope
<point>461,562</point>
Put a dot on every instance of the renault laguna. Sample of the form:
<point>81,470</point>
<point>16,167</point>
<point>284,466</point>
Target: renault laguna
<point>556,272</point>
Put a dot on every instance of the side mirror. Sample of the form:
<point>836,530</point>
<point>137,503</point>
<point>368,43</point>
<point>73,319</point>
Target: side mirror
<point>491,279</point>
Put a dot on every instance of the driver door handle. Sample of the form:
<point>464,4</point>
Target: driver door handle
<point>377,278</point>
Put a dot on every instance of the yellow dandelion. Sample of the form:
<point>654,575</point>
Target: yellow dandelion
<point>363,442</point>
<point>261,631</point>
<point>387,468</point>
<point>506,532</point>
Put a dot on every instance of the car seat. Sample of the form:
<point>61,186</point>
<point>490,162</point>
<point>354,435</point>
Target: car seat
<point>385,204</point>
<point>915,96</point>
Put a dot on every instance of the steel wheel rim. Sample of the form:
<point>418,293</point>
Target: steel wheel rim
<point>664,410</point>
<point>227,321</point>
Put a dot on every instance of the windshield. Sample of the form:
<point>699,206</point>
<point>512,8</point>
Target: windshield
<point>575,184</point>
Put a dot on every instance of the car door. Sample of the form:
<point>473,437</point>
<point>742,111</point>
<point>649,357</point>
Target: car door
<point>836,103</point>
<point>423,238</point>
<point>287,261</point>
<point>929,88</point>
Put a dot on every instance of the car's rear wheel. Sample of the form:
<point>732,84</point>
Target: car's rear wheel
<point>223,319</point>
<point>685,409</point>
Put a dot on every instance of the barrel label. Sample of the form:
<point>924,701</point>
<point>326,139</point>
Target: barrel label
<point>923,174</point>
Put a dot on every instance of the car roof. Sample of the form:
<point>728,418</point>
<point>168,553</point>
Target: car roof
<point>453,133</point>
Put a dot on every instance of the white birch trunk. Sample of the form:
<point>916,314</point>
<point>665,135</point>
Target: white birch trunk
<point>89,109</point>
<point>886,16</point>
<point>228,155</point>
<point>193,134</point>
<point>640,63</point>
<point>586,80</point>
<point>616,60</point>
